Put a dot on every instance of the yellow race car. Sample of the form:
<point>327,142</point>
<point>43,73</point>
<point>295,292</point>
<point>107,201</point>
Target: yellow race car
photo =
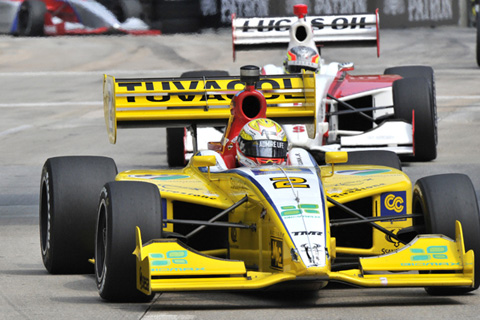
<point>217,225</point>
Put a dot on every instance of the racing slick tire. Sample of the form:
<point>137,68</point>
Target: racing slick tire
<point>419,72</point>
<point>176,146</point>
<point>443,199</point>
<point>176,137</point>
<point>376,158</point>
<point>414,94</point>
<point>31,18</point>
<point>69,192</point>
<point>123,206</point>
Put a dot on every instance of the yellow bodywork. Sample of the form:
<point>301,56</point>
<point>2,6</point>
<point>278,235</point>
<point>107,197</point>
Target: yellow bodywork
<point>160,102</point>
<point>264,255</point>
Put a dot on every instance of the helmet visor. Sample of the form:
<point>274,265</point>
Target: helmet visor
<point>299,68</point>
<point>264,148</point>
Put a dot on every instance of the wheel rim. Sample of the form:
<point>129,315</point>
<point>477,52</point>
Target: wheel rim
<point>45,217</point>
<point>23,20</point>
<point>101,244</point>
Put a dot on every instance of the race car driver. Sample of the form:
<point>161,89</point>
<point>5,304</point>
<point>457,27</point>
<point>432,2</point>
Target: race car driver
<point>260,142</point>
<point>302,58</point>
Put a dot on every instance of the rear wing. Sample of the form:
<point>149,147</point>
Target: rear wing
<point>328,30</point>
<point>201,101</point>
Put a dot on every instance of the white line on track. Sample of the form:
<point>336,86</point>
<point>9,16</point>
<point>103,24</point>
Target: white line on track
<point>15,130</point>
<point>50,104</point>
<point>84,73</point>
<point>100,103</point>
<point>458,97</point>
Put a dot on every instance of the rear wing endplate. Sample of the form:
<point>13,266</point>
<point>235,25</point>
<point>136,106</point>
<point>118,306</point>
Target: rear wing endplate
<point>329,30</point>
<point>201,101</point>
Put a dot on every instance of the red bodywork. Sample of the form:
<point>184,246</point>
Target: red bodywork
<point>66,13</point>
<point>245,106</point>
<point>346,85</point>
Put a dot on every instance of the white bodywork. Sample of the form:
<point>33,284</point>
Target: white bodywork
<point>392,135</point>
<point>302,210</point>
<point>8,14</point>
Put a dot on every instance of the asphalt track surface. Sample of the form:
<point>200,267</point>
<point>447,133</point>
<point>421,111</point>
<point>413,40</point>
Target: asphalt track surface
<point>50,105</point>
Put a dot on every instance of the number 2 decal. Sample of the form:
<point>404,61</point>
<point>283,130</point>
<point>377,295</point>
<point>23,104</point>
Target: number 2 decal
<point>283,182</point>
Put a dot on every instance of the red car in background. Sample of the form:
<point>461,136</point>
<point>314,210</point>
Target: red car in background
<point>67,17</point>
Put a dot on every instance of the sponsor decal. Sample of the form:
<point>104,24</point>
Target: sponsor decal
<point>144,281</point>
<point>203,196</point>
<point>170,90</point>
<point>176,186</point>
<point>171,261</point>
<point>393,203</point>
<point>290,182</point>
<point>307,233</point>
<point>433,256</point>
<point>366,172</point>
<point>159,177</point>
<point>268,170</point>
<point>277,253</point>
<point>432,252</point>
<point>395,242</point>
<point>171,257</point>
<point>300,209</point>
<point>318,23</point>
<point>313,252</point>
<point>298,157</point>
<point>298,129</point>
<point>355,190</point>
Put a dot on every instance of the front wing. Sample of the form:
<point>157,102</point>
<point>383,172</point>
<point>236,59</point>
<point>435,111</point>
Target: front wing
<point>167,265</point>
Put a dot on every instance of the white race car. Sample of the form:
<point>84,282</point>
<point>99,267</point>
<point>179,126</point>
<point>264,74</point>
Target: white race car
<point>395,111</point>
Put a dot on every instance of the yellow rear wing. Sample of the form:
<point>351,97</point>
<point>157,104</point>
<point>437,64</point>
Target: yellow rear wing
<point>201,101</point>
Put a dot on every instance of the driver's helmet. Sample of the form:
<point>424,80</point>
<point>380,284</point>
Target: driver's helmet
<point>302,58</point>
<point>262,141</point>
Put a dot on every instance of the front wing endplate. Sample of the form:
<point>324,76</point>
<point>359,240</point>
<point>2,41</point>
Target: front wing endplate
<point>168,265</point>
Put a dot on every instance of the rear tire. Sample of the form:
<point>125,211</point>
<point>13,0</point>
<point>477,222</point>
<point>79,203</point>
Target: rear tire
<point>69,192</point>
<point>31,18</point>
<point>176,146</point>
<point>443,199</point>
<point>123,206</point>
<point>413,94</point>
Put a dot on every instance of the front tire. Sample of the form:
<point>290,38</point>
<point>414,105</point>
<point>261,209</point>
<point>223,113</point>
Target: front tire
<point>123,206</point>
<point>420,72</point>
<point>69,192</point>
<point>413,94</point>
<point>443,199</point>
